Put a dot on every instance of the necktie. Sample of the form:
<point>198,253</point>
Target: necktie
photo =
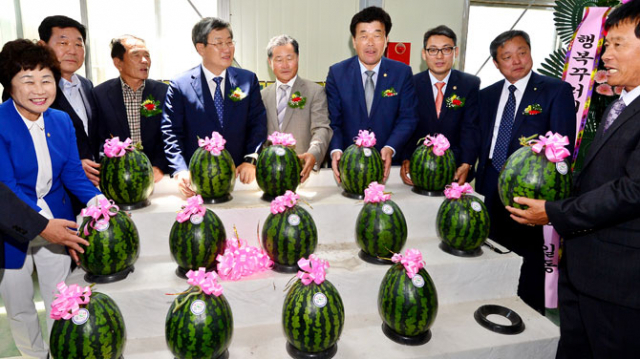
<point>504,132</point>
<point>217,99</point>
<point>616,110</point>
<point>368,90</point>
<point>439,97</point>
<point>282,103</point>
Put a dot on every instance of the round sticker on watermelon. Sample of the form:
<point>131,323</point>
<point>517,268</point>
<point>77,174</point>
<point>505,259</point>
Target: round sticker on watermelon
<point>320,300</point>
<point>81,317</point>
<point>418,281</point>
<point>387,209</point>
<point>294,219</point>
<point>197,307</point>
<point>562,168</point>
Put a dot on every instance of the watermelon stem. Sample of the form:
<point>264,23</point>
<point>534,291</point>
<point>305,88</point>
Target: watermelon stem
<point>524,141</point>
<point>180,304</point>
<point>289,283</point>
<point>305,202</point>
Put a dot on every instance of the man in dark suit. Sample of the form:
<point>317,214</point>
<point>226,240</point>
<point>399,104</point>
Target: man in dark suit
<point>67,37</point>
<point>599,291</point>
<point>503,121</point>
<point>214,97</point>
<point>369,92</point>
<point>437,113</point>
<point>119,101</point>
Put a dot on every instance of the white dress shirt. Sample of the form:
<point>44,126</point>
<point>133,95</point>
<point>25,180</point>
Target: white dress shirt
<point>288,92</point>
<point>208,75</point>
<point>628,97</point>
<point>73,92</point>
<point>376,71</point>
<point>434,88</point>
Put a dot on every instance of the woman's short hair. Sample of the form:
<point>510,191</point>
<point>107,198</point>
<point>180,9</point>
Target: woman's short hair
<point>24,54</point>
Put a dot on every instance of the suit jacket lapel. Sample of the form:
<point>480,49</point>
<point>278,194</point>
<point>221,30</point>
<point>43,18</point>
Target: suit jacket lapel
<point>427,91</point>
<point>196,83</point>
<point>116,98</point>
<point>270,100</point>
<point>230,84</point>
<point>357,81</point>
<point>148,90</point>
<point>288,114</point>
<point>534,87</point>
<point>489,105</point>
<point>453,82</point>
<point>382,84</point>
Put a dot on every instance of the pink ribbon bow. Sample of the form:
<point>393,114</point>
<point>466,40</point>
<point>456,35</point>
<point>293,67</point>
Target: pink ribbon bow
<point>454,191</point>
<point>100,214</point>
<point>280,204</point>
<point>193,206</point>
<point>553,144</point>
<point>375,193</point>
<point>285,139</point>
<point>412,261</point>
<point>366,139</point>
<point>440,144</point>
<point>241,260</point>
<point>208,282</point>
<point>313,270</point>
<point>214,145</point>
<point>68,301</point>
<point>115,148</point>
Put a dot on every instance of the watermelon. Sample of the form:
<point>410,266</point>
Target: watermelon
<point>381,230</point>
<point>359,166</point>
<point>289,236</point>
<point>127,180</point>
<point>313,318</point>
<point>278,170</point>
<point>213,177</point>
<point>197,245</point>
<point>112,252</point>
<point>408,307</point>
<point>431,173</point>
<point>532,175</point>
<point>201,326</point>
<point>463,224</point>
<point>103,334</point>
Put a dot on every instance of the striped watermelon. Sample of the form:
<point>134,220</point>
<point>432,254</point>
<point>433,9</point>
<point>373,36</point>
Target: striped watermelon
<point>289,236</point>
<point>212,176</point>
<point>463,223</point>
<point>359,166</point>
<point>278,170</point>
<point>430,172</point>
<point>381,229</point>
<point>201,327</point>
<point>111,251</point>
<point>127,180</point>
<point>103,335</point>
<point>405,308</point>
<point>197,245</point>
<point>532,175</point>
<point>311,327</point>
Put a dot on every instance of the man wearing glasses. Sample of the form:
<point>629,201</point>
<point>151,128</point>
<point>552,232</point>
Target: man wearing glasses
<point>369,92</point>
<point>437,90</point>
<point>211,97</point>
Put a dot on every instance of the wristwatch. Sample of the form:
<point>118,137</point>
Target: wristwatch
<point>251,160</point>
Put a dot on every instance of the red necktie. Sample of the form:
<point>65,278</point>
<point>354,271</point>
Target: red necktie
<point>439,97</point>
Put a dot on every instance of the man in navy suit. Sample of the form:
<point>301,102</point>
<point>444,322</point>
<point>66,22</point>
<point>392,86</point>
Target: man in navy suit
<point>598,291</point>
<point>214,97</point>
<point>67,38</point>
<point>437,113</point>
<point>119,101</point>
<point>503,121</point>
<point>369,92</point>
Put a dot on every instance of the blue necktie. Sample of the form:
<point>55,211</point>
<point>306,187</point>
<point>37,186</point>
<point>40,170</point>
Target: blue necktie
<point>504,133</point>
<point>217,99</point>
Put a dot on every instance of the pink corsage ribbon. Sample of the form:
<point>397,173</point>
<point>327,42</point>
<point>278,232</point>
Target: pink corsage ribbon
<point>67,303</point>
<point>241,260</point>
<point>412,261</point>
<point>375,193</point>
<point>553,145</point>
<point>113,147</point>
<point>214,145</point>
<point>279,138</point>
<point>455,191</point>
<point>440,144</point>
<point>100,214</point>
<point>207,281</point>
<point>366,139</point>
<point>313,270</point>
<point>193,206</point>
<point>280,204</point>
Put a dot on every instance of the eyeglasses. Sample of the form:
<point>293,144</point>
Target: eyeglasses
<point>222,45</point>
<point>446,51</point>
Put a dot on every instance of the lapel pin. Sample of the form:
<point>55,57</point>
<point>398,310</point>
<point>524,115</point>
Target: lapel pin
<point>48,134</point>
<point>535,89</point>
<point>384,75</point>
<point>455,87</point>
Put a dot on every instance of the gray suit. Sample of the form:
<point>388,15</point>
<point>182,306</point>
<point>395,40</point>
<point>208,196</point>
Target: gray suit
<point>309,125</point>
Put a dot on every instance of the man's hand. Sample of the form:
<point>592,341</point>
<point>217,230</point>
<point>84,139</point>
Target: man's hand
<point>335,160</point>
<point>157,174</point>
<point>309,161</point>
<point>535,214</point>
<point>91,170</point>
<point>184,183</point>
<point>61,231</point>
<point>461,173</point>
<point>386,153</point>
<point>404,172</point>
<point>246,172</point>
